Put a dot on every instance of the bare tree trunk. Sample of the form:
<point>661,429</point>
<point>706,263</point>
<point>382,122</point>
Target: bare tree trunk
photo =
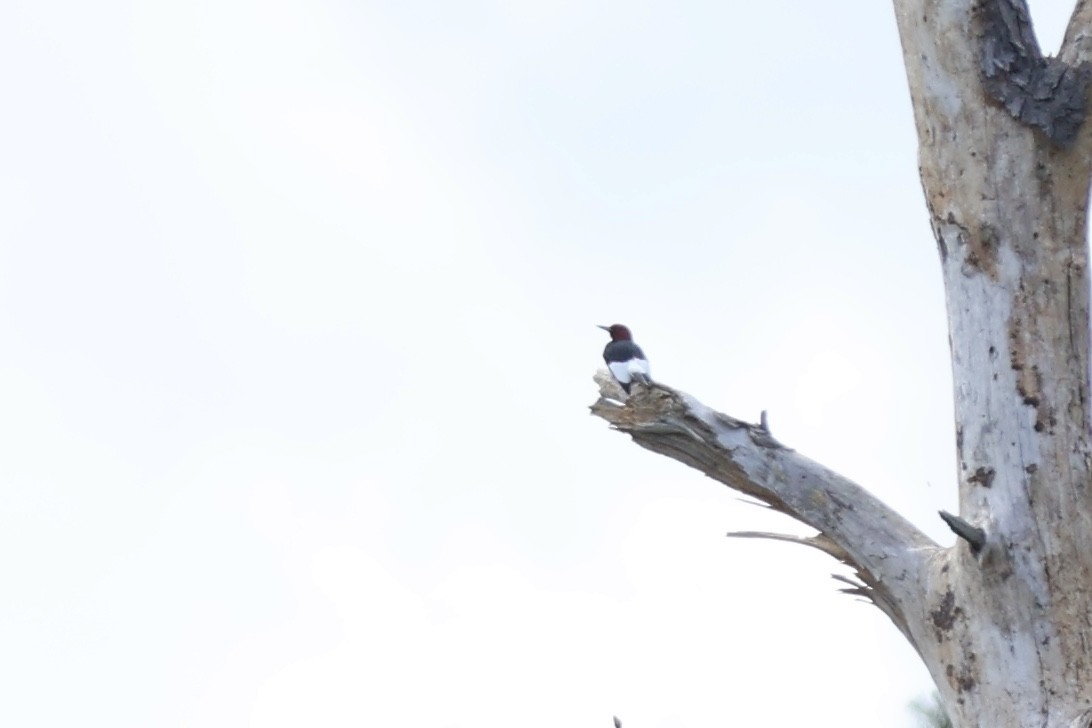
<point>1003,620</point>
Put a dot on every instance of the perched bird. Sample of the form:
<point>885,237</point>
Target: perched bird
<point>625,359</point>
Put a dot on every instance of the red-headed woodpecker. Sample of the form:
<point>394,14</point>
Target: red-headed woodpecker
<point>625,359</point>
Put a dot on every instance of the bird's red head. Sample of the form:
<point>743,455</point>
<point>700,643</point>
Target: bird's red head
<point>618,332</point>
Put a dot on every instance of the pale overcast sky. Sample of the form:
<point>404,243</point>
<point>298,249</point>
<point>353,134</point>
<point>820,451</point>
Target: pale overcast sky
<point>297,331</point>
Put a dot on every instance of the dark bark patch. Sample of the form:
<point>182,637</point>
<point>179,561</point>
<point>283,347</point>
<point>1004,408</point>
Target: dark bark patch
<point>982,476</point>
<point>962,681</point>
<point>1029,380</point>
<point>982,250</point>
<point>978,246</point>
<point>944,616</point>
<point>1030,385</point>
<point>1044,417</point>
<point>1045,94</point>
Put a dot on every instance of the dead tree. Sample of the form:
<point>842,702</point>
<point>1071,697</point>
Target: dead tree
<point>1003,619</point>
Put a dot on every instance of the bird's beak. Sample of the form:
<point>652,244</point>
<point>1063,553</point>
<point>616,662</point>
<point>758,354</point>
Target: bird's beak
<point>605,328</point>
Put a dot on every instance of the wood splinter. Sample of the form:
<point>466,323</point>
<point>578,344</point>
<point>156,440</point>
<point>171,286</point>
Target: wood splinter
<point>973,535</point>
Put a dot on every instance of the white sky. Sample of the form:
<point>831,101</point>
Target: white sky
<point>297,307</point>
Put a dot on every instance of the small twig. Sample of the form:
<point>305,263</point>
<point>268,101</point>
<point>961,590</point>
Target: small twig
<point>818,541</point>
<point>857,588</point>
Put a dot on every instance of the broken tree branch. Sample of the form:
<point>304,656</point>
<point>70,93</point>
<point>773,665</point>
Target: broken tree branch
<point>885,550</point>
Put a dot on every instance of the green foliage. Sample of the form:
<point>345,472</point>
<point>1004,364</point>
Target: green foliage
<point>931,713</point>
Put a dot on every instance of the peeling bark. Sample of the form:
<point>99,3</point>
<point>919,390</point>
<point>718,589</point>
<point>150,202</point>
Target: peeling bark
<point>1047,94</point>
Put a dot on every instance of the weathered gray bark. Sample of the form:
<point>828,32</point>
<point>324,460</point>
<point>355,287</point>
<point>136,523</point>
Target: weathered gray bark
<point>1003,620</point>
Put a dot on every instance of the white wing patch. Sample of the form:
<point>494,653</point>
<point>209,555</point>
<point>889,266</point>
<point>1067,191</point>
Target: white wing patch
<point>624,371</point>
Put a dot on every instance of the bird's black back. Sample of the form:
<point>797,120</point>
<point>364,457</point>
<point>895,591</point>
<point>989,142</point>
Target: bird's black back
<point>622,351</point>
